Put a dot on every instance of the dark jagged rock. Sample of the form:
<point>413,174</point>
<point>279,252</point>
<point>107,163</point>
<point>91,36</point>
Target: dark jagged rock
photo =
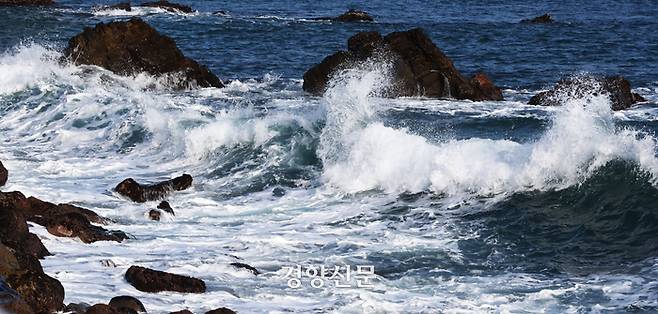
<point>149,280</point>
<point>11,302</point>
<point>155,214</point>
<point>542,19</point>
<point>221,310</point>
<point>43,293</point>
<point>142,193</point>
<point>102,309</point>
<point>169,6</point>
<point>354,16</point>
<point>164,205</point>
<point>76,225</point>
<point>124,302</point>
<point>616,87</point>
<point>130,47</point>
<point>25,2</point>
<point>182,312</point>
<point>349,17</point>
<point>77,308</point>
<point>4,174</point>
<point>419,68</point>
<point>62,220</point>
<point>248,267</point>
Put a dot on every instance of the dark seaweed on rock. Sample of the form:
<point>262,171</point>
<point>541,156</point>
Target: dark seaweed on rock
<point>420,68</point>
<point>131,47</point>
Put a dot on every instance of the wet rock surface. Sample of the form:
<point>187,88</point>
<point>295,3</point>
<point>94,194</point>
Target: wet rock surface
<point>149,280</point>
<point>141,193</point>
<point>419,67</point>
<point>131,47</point>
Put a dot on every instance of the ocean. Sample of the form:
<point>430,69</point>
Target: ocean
<point>455,206</point>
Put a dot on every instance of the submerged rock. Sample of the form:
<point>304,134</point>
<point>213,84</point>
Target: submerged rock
<point>354,16</point>
<point>155,215</point>
<point>542,19</point>
<point>182,312</point>
<point>126,303</point>
<point>221,310</point>
<point>164,205</point>
<point>149,280</point>
<point>351,15</point>
<point>420,68</point>
<point>169,6</point>
<point>4,174</point>
<point>616,87</point>
<point>131,47</point>
<point>248,267</point>
<point>121,6</point>
<point>25,2</point>
<point>142,193</point>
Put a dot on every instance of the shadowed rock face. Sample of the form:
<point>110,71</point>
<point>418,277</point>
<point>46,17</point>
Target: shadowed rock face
<point>130,47</point>
<point>616,87</point>
<point>142,193</point>
<point>169,6</point>
<point>4,174</point>
<point>149,280</point>
<point>419,68</point>
<point>62,220</point>
<point>20,267</point>
<point>25,2</point>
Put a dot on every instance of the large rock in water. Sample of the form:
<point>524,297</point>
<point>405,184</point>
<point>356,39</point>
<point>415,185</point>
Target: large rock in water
<point>130,47</point>
<point>169,6</point>
<point>617,88</point>
<point>141,193</point>
<point>149,280</point>
<point>420,68</point>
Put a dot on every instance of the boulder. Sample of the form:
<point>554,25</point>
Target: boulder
<point>11,302</point>
<point>15,234</point>
<point>354,16</point>
<point>221,310</point>
<point>164,205</point>
<point>76,225</point>
<point>130,47</point>
<point>169,6</point>
<point>102,309</point>
<point>4,174</point>
<point>77,308</point>
<point>542,19</point>
<point>155,215</point>
<point>25,2</point>
<point>350,16</point>
<point>248,267</point>
<point>419,68</point>
<point>141,193</point>
<point>149,280</point>
<point>126,303</point>
<point>182,312</point>
<point>62,220</point>
<point>617,88</point>
<point>43,293</point>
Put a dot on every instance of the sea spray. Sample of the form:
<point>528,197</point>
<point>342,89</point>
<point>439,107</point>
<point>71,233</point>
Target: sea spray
<point>361,153</point>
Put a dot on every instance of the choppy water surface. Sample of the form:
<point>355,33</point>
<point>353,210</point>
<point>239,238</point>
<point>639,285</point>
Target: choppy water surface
<point>459,206</point>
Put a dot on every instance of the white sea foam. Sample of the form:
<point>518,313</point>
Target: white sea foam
<point>360,153</point>
<point>64,135</point>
